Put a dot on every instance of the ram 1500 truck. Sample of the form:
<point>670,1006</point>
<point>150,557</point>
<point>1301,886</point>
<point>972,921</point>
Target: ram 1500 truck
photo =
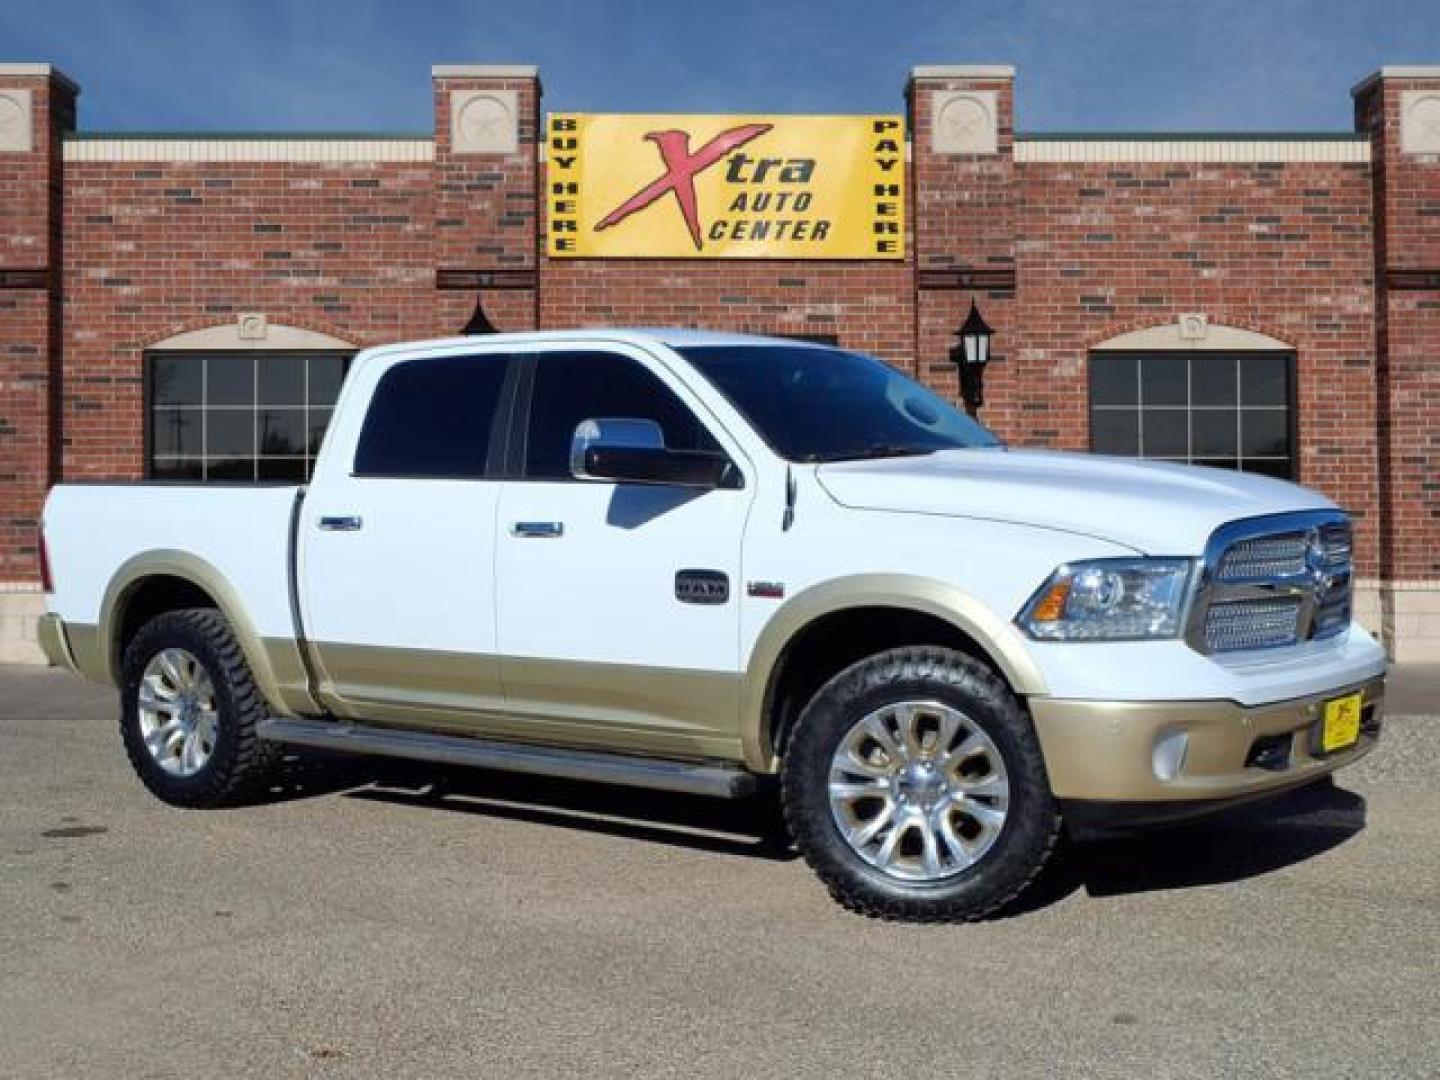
<point>689,560</point>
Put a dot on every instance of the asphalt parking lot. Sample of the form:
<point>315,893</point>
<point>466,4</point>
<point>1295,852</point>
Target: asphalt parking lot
<point>388,921</point>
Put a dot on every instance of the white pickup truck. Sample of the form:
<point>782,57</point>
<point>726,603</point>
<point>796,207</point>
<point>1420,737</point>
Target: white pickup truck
<point>688,560</point>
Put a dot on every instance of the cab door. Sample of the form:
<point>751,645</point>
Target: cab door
<point>397,545</point>
<point>618,603</point>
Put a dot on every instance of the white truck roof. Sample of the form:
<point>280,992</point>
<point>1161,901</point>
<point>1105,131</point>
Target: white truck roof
<point>674,336</point>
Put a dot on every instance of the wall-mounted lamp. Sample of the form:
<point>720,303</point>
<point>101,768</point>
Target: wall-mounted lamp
<point>970,354</point>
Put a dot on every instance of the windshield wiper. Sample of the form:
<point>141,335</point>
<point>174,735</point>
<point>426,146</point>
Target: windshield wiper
<point>880,450</point>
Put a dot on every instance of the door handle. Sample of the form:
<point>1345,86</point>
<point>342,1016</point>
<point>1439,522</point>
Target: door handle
<point>538,530</point>
<point>341,523</point>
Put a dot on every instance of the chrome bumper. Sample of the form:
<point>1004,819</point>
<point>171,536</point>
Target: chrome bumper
<point>1103,751</point>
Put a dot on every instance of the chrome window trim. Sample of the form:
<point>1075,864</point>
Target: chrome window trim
<point>1209,589</point>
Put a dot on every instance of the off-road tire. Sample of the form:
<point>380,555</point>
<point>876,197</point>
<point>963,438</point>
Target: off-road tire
<point>1025,841</point>
<point>241,761</point>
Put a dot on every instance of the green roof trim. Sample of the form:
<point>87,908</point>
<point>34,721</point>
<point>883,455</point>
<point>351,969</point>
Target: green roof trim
<point>250,136</point>
<point>1191,136</point>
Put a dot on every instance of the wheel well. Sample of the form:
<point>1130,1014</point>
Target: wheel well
<point>833,642</point>
<point>154,596</point>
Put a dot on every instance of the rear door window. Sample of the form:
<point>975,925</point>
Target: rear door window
<point>433,418</point>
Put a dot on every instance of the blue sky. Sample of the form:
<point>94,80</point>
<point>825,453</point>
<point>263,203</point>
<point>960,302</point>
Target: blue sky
<point>364,64</point>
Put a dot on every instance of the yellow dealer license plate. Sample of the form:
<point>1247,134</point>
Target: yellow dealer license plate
<point>1340,723</point>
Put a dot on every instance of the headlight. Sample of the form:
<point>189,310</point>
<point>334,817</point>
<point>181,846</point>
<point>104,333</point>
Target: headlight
<point>1110,600</point>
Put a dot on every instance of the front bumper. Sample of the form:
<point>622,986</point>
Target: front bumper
<point>1124,751</point>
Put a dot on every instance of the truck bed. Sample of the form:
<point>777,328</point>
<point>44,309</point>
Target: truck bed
<point>242,531</point>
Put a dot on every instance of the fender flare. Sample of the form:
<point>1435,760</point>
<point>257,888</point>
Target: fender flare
<point>1000,640</point>
<point>264,657</point>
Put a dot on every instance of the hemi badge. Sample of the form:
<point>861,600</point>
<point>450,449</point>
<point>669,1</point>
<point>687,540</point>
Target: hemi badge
<point>766,590</point>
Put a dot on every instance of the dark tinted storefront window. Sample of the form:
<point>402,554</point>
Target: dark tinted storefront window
<point>1229,410</point>
<point>238,416</point>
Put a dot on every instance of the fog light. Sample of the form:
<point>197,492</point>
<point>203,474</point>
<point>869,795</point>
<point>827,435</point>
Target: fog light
<point>1168,757</point>
<point>1270,752</point>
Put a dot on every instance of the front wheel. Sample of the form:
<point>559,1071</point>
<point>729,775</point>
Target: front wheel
<point>189,709</point>
<point>915,788</point>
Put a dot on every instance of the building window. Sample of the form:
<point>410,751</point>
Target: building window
<point>1232,410</point>
<point>248,416</point>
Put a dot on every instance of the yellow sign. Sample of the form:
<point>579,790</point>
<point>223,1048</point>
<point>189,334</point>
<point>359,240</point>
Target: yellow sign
<point>1340,723</point>
<point>730,187</point>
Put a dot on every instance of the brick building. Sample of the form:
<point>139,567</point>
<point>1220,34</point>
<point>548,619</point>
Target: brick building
<point>1264,302</point>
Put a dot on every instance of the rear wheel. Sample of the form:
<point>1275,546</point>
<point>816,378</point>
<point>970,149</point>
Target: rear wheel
<point>189,710</point>
<point>915,788</point>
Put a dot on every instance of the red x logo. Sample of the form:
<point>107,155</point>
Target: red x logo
<point>681,168</point>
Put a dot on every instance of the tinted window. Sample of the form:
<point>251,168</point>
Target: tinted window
<point>432,418</point>
<point>828,405</point>
<point>1231,410</point>
<point>571,387</point>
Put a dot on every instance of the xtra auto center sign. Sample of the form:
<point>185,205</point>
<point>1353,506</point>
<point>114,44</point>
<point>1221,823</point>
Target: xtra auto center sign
<point>734,187</point>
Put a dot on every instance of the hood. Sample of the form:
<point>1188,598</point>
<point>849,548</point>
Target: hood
<point>1155,507</point>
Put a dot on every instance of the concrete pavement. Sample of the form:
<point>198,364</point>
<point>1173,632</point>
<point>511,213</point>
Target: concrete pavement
<point>391,921</point>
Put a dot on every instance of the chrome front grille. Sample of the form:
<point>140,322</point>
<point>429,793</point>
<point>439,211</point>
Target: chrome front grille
<point>1273,581</point>
<point>1263,557</point>
<point>1234,625</point>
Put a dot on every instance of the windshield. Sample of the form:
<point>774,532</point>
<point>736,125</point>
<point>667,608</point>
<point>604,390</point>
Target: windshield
<point>819,404</point>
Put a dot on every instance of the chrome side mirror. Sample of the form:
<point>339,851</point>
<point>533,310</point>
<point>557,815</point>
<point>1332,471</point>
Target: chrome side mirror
<point>611,434</point>
<point>628,451</point>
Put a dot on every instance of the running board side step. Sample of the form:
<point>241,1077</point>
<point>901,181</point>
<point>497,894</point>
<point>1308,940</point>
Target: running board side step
<point>721,781</point>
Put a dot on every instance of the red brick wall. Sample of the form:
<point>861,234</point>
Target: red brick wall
<point>867,305</point>
<point>1407,210</point>
<point>486,206</point>
<point>350,249</point>
<point>964,223</point>
<point>157,248</point>
<point>1101,249</point>
<point>1282,249</point>
<point>30,375</point>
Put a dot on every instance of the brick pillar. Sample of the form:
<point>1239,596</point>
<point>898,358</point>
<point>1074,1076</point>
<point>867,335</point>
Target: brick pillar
<point>963,207</point>
<point>1400,108</point>
<point>37,105</point>
<point>487,124</point>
